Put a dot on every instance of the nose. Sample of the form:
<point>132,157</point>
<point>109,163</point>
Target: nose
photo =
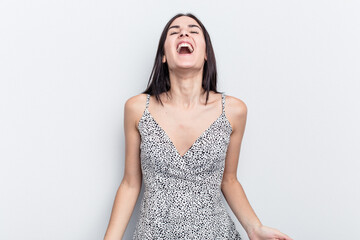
<point>184,32</point>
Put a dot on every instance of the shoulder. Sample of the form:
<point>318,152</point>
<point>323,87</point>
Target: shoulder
<point>235,106</point>
<point>135,102</point>
<point>236,111</point>
<point>134,107</point>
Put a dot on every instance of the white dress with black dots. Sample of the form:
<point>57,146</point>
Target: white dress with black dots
<point>182,194</point>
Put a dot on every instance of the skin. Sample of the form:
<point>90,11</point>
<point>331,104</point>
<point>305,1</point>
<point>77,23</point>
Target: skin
<point>184,117</point>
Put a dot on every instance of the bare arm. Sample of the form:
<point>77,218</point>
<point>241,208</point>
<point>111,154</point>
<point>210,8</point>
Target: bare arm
<point>130,186</point>
<point>231,187</point>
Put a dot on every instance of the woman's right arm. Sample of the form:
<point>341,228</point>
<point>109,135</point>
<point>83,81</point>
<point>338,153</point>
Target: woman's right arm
<point>130,186</point>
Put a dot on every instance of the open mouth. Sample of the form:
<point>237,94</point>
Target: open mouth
<point>185,48</point>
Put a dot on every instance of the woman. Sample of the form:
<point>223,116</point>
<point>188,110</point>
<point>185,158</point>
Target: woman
<point>183,137</point>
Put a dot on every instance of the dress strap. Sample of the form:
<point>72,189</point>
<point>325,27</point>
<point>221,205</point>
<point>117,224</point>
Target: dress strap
<point>147,101</point>
<point>223,102</point>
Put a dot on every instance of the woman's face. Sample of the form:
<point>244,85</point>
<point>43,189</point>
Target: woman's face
<point>185,45</point>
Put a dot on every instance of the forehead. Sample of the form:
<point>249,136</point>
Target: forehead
<point>184,21</point>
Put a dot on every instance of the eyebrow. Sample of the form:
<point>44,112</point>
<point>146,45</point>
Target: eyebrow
<point>190,25</point>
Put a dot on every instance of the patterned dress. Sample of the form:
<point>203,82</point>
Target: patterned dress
<point>182,194</point>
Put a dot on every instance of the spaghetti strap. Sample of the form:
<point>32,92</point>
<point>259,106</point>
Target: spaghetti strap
<point>223,102</point>
<point>147,101</point>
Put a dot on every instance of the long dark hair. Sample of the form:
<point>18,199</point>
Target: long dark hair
<point>159,80</point>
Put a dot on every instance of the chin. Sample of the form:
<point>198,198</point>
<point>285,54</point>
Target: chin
<point>186,65</point>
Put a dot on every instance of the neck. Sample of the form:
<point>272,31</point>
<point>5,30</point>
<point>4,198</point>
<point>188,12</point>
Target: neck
<point>186,88</point>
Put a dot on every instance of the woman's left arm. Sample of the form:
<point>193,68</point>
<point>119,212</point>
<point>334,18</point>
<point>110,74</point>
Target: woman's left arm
<point>236,110</point>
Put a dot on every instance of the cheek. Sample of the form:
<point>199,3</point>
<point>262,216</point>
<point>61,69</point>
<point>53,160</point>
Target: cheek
<point>203,47</point>
<point>167,46</point>
<point>202,44</point>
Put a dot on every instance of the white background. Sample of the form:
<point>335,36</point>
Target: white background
<point>67,68</point>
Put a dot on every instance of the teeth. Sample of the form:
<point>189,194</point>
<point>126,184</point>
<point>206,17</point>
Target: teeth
<point>185,45</point>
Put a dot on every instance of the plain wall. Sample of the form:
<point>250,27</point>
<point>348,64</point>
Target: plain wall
<point>67,68</point>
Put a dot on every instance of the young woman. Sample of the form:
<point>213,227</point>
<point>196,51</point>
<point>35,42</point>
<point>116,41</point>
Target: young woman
<point>183,137</point>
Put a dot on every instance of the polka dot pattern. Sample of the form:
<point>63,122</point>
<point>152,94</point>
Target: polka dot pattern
<point>182,194</point>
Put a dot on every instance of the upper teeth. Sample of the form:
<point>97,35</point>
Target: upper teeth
<point>185,45</point>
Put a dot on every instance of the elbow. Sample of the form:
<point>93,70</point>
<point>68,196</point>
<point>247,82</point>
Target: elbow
<point>133,183</point>
<point>229,181</point>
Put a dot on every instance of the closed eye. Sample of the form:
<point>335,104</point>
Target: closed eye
<point>190,32</point>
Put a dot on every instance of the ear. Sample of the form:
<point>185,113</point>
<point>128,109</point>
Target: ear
<point>164,59</point>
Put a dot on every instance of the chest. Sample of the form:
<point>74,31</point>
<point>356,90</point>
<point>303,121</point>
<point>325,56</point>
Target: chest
<point>182,136</point>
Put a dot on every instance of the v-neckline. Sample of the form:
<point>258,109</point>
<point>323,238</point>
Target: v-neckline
<point>194,143</point>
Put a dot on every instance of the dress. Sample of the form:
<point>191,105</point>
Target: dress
<point>182,194</point>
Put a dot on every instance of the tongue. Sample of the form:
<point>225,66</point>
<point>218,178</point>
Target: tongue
<point>184,50</point>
